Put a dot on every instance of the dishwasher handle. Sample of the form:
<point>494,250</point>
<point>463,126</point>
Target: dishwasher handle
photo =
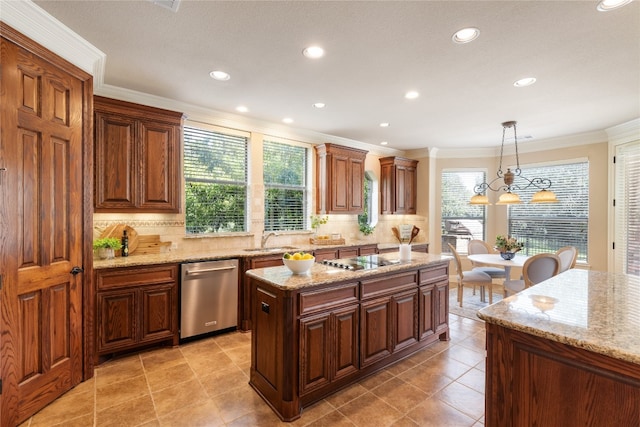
<point>210,270</point>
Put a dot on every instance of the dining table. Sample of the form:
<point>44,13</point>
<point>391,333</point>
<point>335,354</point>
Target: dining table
<point>496,260</point>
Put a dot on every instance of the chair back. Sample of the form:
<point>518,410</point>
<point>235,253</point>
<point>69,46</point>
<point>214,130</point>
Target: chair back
<point>568,257</point>
<point>457,259</point>
<point>539,268</point>
<point>479,247</point>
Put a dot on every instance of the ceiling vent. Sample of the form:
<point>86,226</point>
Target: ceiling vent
<point>172,5</point>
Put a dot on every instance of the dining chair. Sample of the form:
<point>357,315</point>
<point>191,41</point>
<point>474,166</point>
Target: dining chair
<point>536,269</point>
<point>481,247</point>
<point>471,278</point>
<point>568,256</point>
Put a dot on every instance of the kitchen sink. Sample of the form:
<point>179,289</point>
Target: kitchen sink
<point>275,249</point>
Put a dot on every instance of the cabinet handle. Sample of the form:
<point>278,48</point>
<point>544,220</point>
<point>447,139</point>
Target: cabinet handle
<point>209,270</point>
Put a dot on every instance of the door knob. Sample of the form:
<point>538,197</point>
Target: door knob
<point>75,270</point>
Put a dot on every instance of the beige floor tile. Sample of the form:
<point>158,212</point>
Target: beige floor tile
<point>162,358</point>
<point>376,379</point>
<point>464,399</point>
<point>82,421</point>
<point>436,413</point>
<point>233,340</point>
<point>332,419</point>
<point>238,402</point>
<point>130,413</point>
<point>170,376</point>
<point>400,395</point>
<point>117,370</point>
<point>474,379</point>
<point>405,422</point>
<point>113,394</point>
<point>369,410</point>
<point>178,396</point>
<point>465,355</point>
<point>204,413</point>
<point>224,380</point>
<point>313,413</point>
<point>205,364</point>
<point>426,379</point>
<point>239,355</point>
<point>346,395</point>
<point>69,406</point>
<point>401,366</point>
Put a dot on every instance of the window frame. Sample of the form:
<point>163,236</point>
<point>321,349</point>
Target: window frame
<point>306,187</point>
<point>227,132</point>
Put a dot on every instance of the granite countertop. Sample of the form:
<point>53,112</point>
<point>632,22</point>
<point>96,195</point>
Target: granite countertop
<point>592,310</point>
<point>212,255</point>
<point>320,274</point>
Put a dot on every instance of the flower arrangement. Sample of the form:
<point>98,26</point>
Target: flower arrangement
<point>508,244</point>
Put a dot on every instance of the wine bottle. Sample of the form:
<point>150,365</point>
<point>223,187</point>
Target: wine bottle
<point>125,244</point>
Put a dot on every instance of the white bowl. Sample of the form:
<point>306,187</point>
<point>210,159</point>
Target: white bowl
<point>299,266</point>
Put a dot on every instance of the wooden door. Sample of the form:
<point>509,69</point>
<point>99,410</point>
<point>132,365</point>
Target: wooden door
<point>44,109</point>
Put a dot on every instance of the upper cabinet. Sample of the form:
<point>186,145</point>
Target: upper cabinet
<point>340,179</point>
<point>137,157</point>
<point>398,185</point>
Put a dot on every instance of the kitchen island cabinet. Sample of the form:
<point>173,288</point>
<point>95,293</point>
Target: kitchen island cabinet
<point>316,333</point>
<point>565,353</point>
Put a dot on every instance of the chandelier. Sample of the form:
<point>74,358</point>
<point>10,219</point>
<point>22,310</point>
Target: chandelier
<point>509,184</point>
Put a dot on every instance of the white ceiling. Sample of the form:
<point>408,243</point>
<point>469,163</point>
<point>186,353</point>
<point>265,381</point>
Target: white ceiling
<point>587,64</point>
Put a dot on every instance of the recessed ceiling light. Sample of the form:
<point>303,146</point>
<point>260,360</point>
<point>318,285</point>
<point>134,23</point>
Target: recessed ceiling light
<point>465,35</point>
<point>319,105</point>
<point>527,81</point>
<point>607,5</point>
<point>384,125</point>
<point>219,75</point>
<point>384,143</point>
<point>313,52</point>
<point>287,120</point>
<point>242,109</point>
<point>412,94</point>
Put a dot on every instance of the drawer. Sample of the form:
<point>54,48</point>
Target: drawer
<point>136,276</point>
<point>310,302</point>
<point>434,274</point>
<point>389,284</point>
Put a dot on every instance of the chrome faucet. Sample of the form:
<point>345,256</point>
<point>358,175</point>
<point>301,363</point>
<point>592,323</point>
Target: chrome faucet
<point>265,237</point>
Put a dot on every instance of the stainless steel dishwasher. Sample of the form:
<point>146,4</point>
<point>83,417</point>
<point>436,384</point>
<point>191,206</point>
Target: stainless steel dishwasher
<point>209,297</point>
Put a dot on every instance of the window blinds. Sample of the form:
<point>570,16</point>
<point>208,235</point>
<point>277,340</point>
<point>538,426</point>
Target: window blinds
<point>547,227</point>
<point>285,183</point>
<point>627,209</point>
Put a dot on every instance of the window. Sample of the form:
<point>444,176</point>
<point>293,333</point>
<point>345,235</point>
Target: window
<point>461,221</point>
<point>627,209</point>
<point>285,186</point>
<point>548,227</point>
<point>215,175</point>
<point>368,220</point>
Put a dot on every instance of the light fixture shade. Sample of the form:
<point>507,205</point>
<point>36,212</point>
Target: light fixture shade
<point>479,199</point>
<point>544,196</point>
<point>509,198</point>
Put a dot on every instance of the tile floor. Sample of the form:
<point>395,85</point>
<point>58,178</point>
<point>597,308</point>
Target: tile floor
<point>205,383</point>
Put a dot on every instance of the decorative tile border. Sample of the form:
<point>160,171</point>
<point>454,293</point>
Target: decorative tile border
<point>140,223</point>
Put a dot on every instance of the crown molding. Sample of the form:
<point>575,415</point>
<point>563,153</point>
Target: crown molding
<point>526,147</point>
<point>32,21</point>
<point>625,132</point>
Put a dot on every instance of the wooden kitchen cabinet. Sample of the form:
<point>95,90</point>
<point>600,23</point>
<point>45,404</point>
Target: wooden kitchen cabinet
<point>135,307</point>
<point>244,290</point>
<point>398,185</point>
<point>339,179</point>
<point>137,157</point>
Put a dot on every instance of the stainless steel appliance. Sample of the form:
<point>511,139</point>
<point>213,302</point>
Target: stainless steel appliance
<point>366,262</point>
<point>209,297</point>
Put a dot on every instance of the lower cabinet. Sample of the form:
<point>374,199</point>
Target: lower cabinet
<point>328,347</point>
<point>136,307</point>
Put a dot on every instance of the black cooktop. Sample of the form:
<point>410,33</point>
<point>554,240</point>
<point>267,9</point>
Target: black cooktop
<point>366,262</point>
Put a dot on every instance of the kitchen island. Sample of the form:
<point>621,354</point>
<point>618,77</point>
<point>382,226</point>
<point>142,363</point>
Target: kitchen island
<point>316,333</point>
<point>565,352</point>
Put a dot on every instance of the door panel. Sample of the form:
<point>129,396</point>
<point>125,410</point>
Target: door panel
<point>43,114</point>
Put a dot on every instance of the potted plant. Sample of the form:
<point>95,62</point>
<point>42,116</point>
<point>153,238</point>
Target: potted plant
<point>104,247</point>
<point>508,246</point>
